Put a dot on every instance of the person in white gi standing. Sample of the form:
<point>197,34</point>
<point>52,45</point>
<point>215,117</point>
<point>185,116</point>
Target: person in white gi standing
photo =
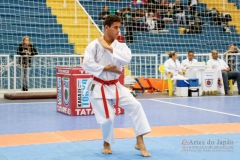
<point>104,59</point>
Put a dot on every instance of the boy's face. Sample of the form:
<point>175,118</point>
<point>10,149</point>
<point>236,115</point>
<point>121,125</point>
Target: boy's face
<point>114,30</point>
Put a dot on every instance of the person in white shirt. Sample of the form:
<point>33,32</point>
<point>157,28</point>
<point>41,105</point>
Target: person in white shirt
<point>189,61</point>
<point>104,59</point>
<point>149,21</point>
<point>217,63</point>
<point>172,66</point>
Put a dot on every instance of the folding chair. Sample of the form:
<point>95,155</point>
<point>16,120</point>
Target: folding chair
<point>230,81</point>
<point>168,81</point>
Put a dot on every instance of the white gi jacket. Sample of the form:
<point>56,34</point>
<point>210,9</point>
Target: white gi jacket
<point>171,66</point>
<point>186,63</point>
<point>96,58</point>
<point>217,64</point>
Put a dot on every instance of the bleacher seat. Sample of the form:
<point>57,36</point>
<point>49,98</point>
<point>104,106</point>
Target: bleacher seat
<point>212,37</point>
<point>34,19</point>
<point>236,3</point>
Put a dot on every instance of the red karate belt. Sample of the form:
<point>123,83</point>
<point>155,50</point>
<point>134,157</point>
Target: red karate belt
<point>112,82</point>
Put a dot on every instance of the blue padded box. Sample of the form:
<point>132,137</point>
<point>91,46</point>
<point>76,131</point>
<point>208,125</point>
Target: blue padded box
<point>187,83</point>
<point>193,82</point>
<point>182,83</point>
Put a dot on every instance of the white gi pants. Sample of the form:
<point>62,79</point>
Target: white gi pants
<point>131,107</point>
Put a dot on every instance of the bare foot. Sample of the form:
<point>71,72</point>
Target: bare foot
<point>141,146</point>
<point>143,150</point>
<point>106,148</point>
<point>136,146</point>
<point>145,153</point>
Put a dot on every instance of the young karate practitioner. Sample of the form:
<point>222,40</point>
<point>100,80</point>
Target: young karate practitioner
<point>104,59</point>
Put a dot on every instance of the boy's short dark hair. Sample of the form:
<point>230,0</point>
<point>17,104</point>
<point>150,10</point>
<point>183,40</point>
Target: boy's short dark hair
<point>110,19</point>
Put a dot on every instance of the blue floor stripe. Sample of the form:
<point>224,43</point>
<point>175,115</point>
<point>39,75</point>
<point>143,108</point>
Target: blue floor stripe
<point>164,148</point>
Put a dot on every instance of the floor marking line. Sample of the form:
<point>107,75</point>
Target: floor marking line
<point>208,110</point>
<point>24,103</point>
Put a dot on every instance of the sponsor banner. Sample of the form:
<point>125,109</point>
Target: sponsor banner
<point>89,111</point>
<point>62,70</point>
<point>66,91</point>
<point>59,91</point>
<point>209,79</point>
<point>82,95</point>
<point>84,111</point>
<point>65,110</point>
<point>120,110</point>
<point>72,99</point>
<point>208,82</point>
<point>220,83</point>
<point>212,81</point>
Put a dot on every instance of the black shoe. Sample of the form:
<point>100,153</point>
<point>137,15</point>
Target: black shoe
<point>25,89</point>
<point>238,92</point>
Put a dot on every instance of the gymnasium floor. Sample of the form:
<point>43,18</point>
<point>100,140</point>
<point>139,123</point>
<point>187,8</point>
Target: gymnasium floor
<point>197,128</point>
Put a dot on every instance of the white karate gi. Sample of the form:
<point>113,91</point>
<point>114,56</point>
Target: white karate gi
<point>173,66</point>
<point>95,59</point>
<point>217,64</point>
<point>186,63</point>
